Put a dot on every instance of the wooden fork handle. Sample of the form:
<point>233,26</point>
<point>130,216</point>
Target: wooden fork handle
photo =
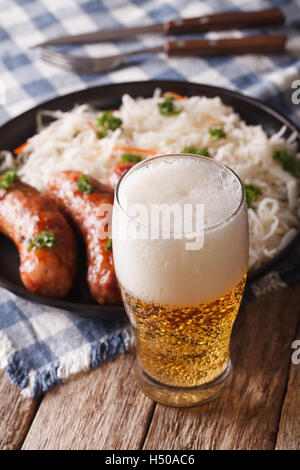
<point>227,20</point>
<point>264,44</point>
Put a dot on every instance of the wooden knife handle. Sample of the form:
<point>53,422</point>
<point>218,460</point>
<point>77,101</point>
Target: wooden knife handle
<point>265,44</point>
<point>227,20</point>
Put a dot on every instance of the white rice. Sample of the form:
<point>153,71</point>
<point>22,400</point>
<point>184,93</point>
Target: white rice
<point>69,142</point>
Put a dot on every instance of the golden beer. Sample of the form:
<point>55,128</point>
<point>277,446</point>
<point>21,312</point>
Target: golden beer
<point>182,303</point>
<point>184,347</point>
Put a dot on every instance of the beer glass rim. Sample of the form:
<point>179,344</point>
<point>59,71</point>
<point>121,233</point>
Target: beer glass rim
<point>209,160</point>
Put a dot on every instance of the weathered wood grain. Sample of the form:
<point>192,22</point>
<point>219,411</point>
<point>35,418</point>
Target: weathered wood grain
<point>103,408</point>
<point>247,415</point>
<point>288,437</point>
<point>100,409</point>
<point>16,414</point>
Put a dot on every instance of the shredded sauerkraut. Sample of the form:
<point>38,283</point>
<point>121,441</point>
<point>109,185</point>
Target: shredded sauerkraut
<point>70,141</point>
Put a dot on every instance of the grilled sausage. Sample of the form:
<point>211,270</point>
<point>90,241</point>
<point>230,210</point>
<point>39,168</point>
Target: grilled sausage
<point>117,172</point>
<point>24,215</point>
<point>85,208</point>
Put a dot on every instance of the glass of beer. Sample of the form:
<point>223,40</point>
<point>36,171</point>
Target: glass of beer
<point>182,278</point>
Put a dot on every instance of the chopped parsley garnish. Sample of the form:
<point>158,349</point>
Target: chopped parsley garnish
<point>108,244</point>
<point>288,162</point>
<point>217,133</point>
<point>43,240</point>
<point>196,150</point>
<point>168,107</point>
<point>108,122</point>
<point>252,193</point>
<point>131,157</point>
<point>101,134</point>
<point>84,185</point>
<point>8,177</point>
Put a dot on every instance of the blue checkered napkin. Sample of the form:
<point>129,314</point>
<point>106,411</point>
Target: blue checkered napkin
<point>25,80</point>
<point>40,346</point>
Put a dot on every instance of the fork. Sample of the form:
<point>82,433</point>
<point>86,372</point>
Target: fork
<point>89,65</point>
<point>261,44</point>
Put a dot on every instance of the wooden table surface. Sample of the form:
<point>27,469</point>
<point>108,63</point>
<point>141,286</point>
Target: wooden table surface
<point>104,409</point>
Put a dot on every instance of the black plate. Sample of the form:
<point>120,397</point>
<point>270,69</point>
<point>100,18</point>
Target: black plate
<point>18,130</point>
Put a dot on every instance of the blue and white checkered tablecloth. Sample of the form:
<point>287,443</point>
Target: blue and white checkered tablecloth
<point>39,346</point>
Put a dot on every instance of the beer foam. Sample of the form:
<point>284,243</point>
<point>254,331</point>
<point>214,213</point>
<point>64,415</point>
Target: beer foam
<point>182,181</point>
<point>163,270</point>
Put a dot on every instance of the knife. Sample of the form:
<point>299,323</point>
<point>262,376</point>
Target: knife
<point>202,24</point>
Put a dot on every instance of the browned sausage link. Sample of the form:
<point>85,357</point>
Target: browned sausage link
<point>117,172</point>
<point>86,212</point>
<point>25,214</point>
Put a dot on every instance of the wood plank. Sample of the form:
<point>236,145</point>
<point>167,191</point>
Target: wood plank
<point>247,415</point>
<point>100,409</point>
<point>288,437</point>
<point>16,414</point>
